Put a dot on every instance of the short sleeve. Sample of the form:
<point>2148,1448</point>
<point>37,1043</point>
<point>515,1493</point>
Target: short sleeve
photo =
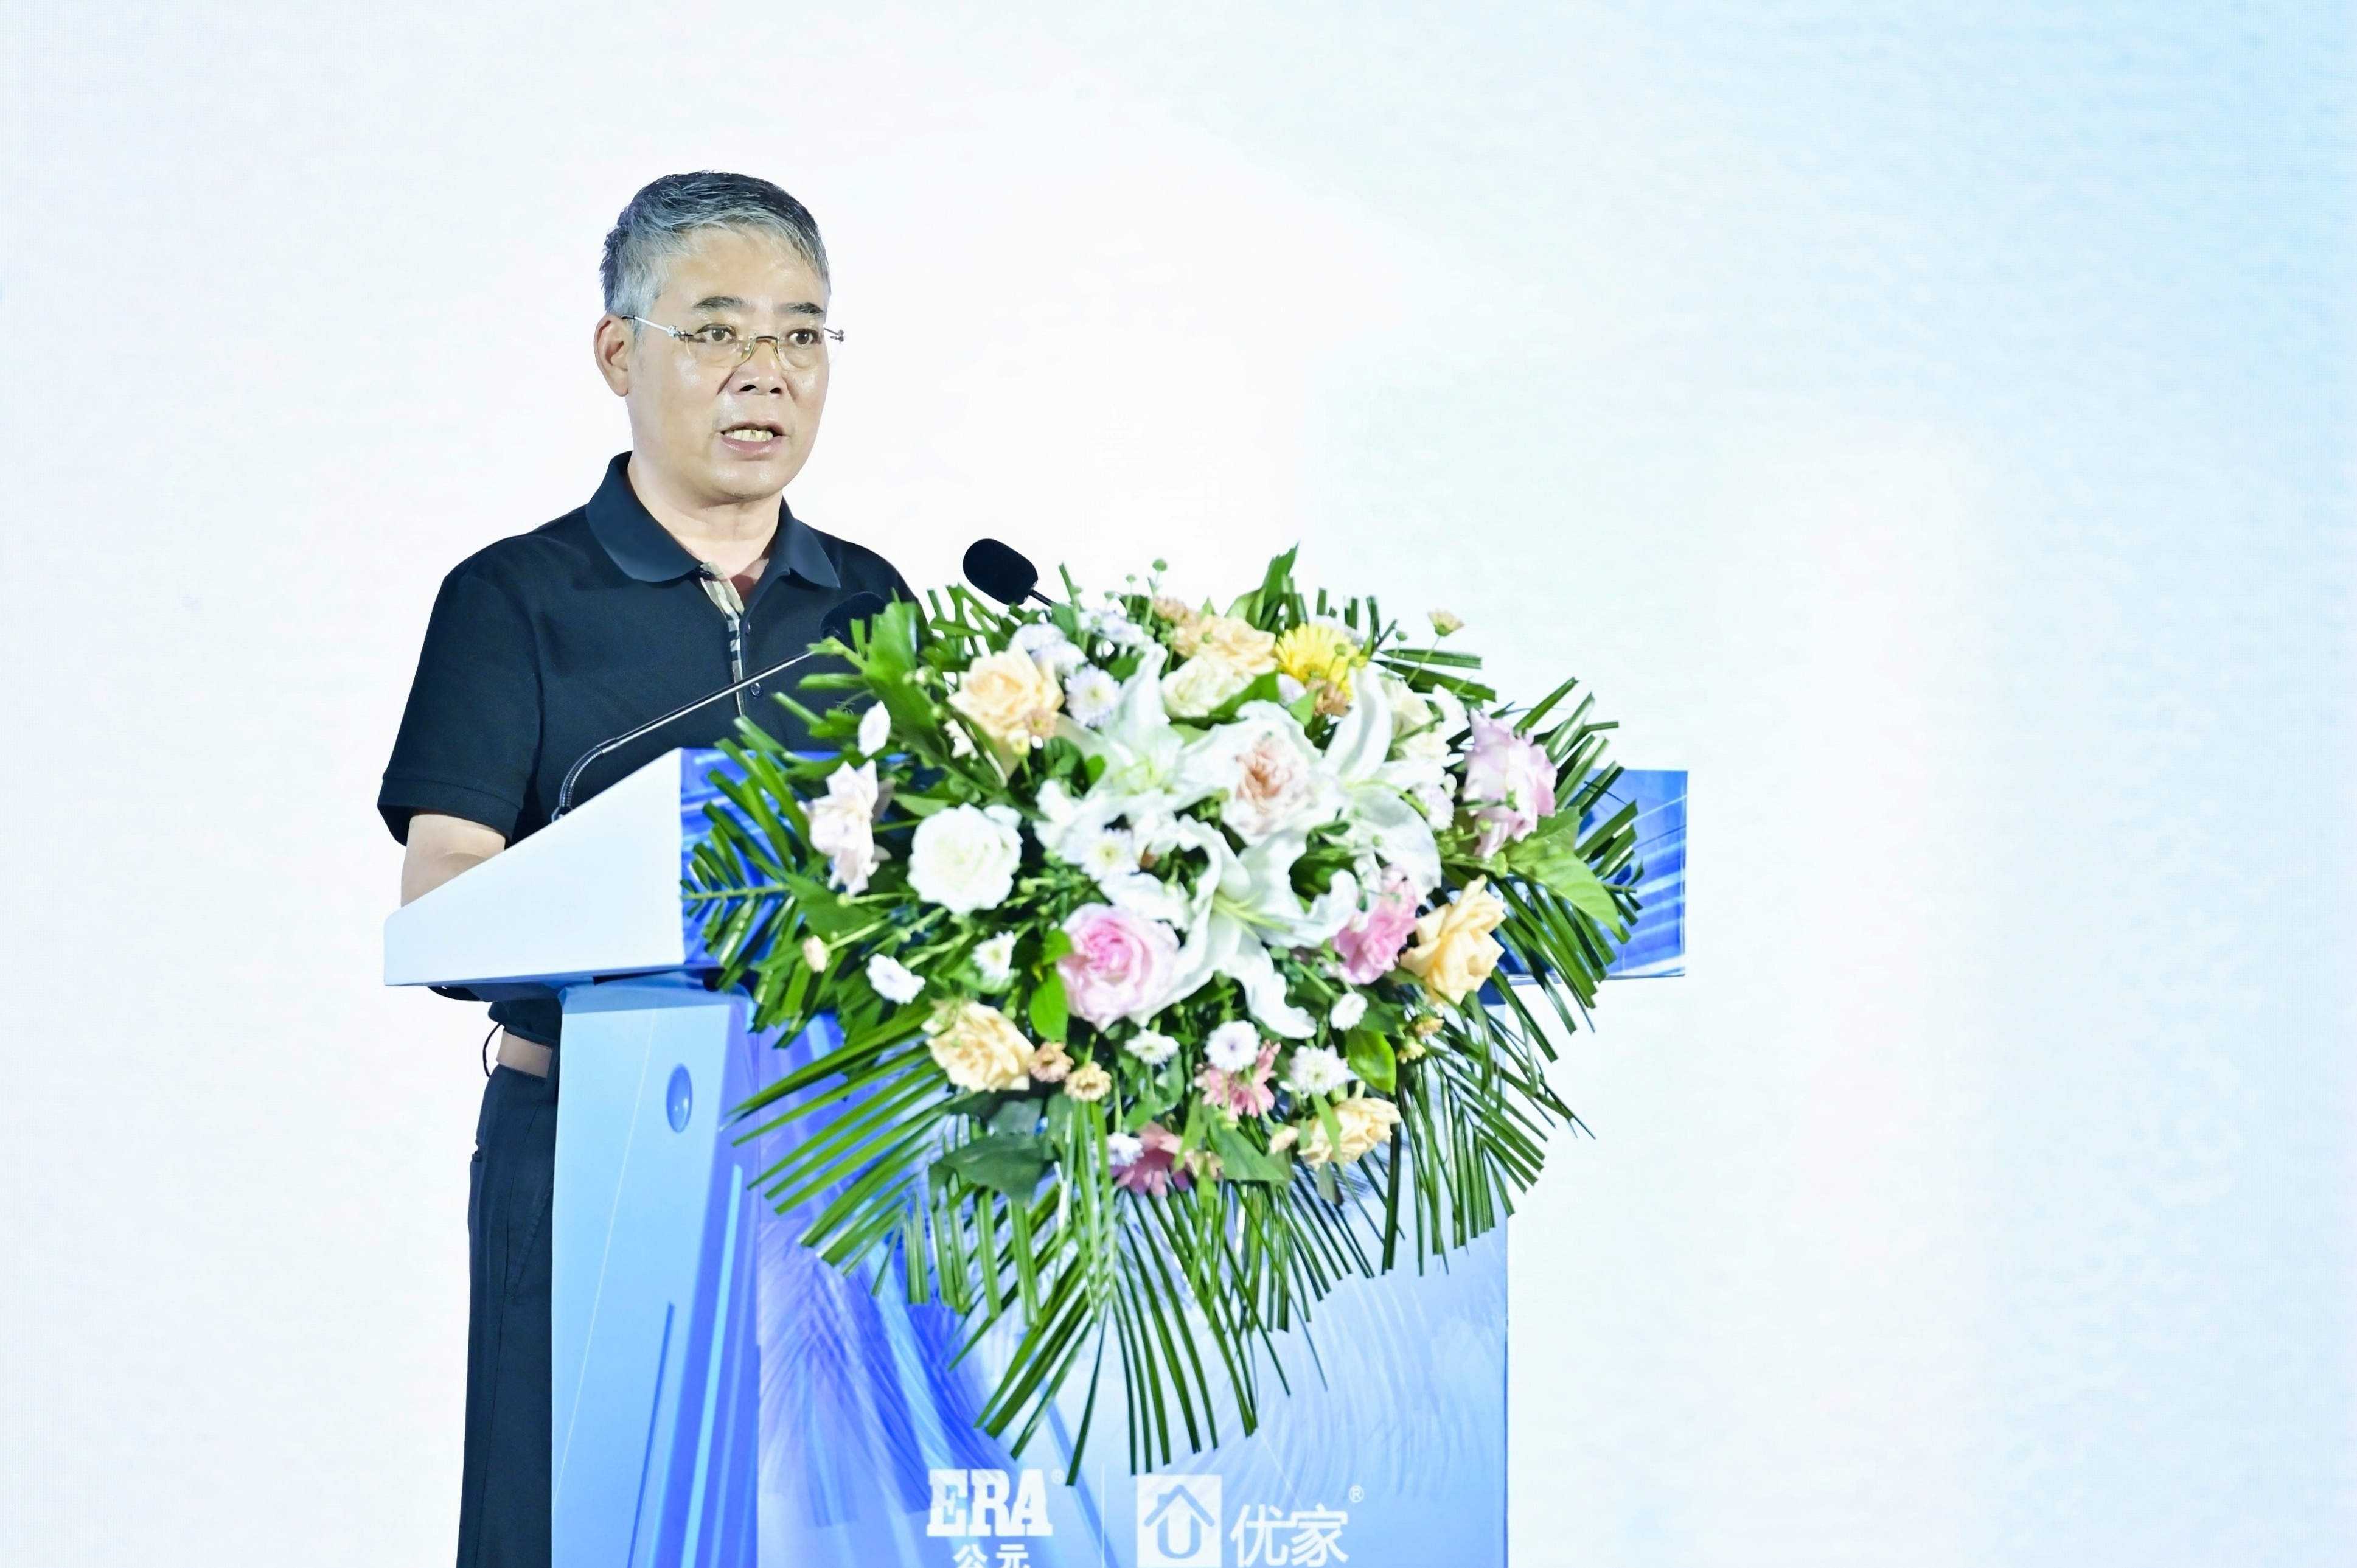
<point>471,732</point>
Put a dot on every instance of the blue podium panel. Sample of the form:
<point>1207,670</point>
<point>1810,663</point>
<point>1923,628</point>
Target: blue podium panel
<point>1657,944</point>
<point>653,1376</point>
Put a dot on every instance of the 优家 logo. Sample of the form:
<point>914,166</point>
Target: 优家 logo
<point>1298,1538</point>
<point>1177,1521</point>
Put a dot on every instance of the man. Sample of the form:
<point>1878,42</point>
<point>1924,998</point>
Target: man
<point>685,572</point>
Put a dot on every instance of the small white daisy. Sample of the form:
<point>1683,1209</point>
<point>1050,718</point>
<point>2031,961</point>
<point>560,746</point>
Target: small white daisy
<point>1315,1070</point>
<point>875,729</point>
<point>1112,624</point>
<point>1233,1046</point>
<point>893,980</point>
<point>1091,695</point>
<point>1122,1150</point>
<point>1153,1049</point>
<point>1108,851</point>
<point>1347,1010</point>
<point>994,960</point>
<point>1045,641</point>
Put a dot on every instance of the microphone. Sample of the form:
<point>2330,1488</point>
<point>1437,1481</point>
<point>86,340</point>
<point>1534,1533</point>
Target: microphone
<point>834,626</point>
<point>1002,572</point>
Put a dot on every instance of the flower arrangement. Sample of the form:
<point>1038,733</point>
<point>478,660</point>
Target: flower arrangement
<point>1165,943</point>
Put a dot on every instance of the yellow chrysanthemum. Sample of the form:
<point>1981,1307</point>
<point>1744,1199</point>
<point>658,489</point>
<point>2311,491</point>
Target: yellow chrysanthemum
<point>1320,656</point>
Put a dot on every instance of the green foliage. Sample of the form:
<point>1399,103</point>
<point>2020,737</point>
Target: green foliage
<point>1011,1163</point>
<point>1047,1009</point>
<point>1373,1059</point>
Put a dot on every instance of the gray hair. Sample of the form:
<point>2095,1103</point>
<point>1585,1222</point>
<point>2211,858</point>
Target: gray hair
<point>661,220</point>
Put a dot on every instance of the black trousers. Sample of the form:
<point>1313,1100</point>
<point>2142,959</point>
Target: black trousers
<point>503,1502</point>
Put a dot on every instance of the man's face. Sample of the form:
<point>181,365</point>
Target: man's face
<point>717,434</point>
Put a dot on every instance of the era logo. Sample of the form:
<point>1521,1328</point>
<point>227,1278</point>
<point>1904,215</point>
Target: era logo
<point>977,1502</point>
<point>1177,1521</point>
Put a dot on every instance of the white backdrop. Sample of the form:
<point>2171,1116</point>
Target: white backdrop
<point>1931,424</point>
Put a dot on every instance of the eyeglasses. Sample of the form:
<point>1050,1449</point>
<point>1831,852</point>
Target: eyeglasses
<point>723,348</point>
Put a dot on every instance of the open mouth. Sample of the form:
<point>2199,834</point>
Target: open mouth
<point>752,434</point>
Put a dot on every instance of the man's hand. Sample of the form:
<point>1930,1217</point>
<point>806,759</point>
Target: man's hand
<point>440,848</point>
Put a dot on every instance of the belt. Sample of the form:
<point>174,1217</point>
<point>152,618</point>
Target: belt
<point>525,1056</point>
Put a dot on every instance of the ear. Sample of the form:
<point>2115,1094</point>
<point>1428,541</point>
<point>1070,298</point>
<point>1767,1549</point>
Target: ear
<point>612,344</point>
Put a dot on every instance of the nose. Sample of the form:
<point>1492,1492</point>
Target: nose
<point>765,371</point>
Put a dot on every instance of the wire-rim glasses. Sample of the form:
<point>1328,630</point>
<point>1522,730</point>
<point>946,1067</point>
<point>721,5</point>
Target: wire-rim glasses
<point>723,348</point>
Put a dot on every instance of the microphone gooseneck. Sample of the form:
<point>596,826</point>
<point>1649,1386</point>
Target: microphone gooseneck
<point>1003,572</point>
<point>835,627</point>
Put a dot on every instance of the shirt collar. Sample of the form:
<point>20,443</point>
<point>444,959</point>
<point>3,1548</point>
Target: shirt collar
<point>646,552</point>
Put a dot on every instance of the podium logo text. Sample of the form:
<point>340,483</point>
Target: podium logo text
<point>982,1502</point>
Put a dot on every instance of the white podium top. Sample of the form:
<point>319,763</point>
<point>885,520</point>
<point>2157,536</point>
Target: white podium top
<point>595,893</point>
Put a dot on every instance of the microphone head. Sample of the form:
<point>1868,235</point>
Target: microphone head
<point>838,622</point>
<point>1000,571</point>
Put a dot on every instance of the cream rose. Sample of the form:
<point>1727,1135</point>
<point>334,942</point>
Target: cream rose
<point>1237,642</point>
<point>1454,950</point>
<point>1224,656</point>
<point>979,1047</point>
<point>1410,712</point>
<point>1364,1123</point>
<point>1012,698</point>
<point>1199,685</point>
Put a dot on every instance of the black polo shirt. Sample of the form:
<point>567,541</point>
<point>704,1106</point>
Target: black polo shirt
<point>543,645</point>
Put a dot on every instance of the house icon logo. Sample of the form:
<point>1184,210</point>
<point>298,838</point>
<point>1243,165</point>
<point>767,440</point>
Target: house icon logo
<point>1177,1521</point>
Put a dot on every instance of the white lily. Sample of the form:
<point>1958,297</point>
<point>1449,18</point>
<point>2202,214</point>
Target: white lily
<point>1144,778</point>
<point>1146,781</point>
<point>1243,904</point>
<point>1379,815</point>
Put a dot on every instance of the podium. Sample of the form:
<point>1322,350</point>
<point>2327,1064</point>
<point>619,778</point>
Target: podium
<point>725,1399</point>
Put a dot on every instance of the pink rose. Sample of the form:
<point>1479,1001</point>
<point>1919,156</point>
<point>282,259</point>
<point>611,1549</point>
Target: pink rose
<point>1371,943</point>
<point>1509,782</point>
<point>1119,966</point>
<point>1150,1173</point>
<point>1247,1092</point>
